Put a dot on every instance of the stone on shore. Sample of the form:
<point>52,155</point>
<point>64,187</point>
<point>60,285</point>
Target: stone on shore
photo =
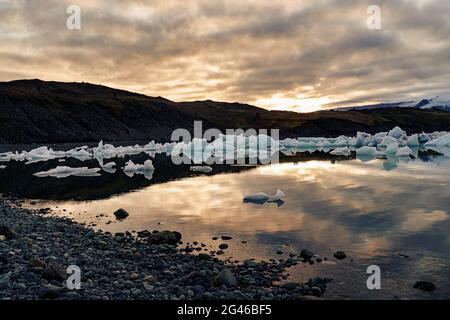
<point>425,286</point>
<point>164,237</point>
<point>306,254</point>
<point>225,277</point>
<point>340,255</point>
<point>121,214</point>
<point>7,231</point>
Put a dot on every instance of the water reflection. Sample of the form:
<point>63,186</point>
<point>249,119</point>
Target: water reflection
<point>377,210</point>
<point>367,209</point>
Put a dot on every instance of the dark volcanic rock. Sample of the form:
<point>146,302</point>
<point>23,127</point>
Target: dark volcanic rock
<point>7,231</point>
<point>306,254</point>
<point>425,286</point>
<point>121,214</point>
<point>54,271</point>
<point>164,237</point>
<point>226,277</point>
<point>340,255</point>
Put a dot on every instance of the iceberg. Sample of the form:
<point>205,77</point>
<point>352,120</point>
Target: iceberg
<point>204,169</point>
<point>387,140</point>
<point>145,169</point>
<point>369,151</point>
<point>344,151</point>
<point>397,132</point>
<point>392,148</point>
<point>2,167</point>
<point>441,141</point>
<point>413,141</point>
<point>261,198</point>
<point>64,172</point>
<point>109,167</point>
<point>404,152</point>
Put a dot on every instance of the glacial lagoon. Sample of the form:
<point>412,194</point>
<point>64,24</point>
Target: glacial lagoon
<point>391,212</point>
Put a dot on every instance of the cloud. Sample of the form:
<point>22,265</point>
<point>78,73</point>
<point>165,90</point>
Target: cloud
<point>249,51</point>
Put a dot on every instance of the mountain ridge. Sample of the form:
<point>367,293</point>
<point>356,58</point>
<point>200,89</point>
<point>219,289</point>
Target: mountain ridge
<point>36,111</point>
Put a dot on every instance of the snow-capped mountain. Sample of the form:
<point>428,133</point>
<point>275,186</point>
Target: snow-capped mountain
<point>442,103</point>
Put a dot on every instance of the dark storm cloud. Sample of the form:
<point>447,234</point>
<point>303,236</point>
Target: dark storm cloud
<point>292,54</point>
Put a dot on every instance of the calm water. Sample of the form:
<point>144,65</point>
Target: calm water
<point>378,212</point>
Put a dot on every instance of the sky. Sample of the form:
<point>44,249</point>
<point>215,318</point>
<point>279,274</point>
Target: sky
<point>299,55</point>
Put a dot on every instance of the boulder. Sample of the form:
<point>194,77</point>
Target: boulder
<point>7,231</point>
<point>340,255</point>
<point>121,214</point>
<point>225,277</point>
<point>306,254</point>
<point>165,237</point>
<point>425,286</point>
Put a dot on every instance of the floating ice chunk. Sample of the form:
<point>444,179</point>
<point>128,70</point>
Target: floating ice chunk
<point>147,166</point>
<point>391,163</point>
<point>392,148</point>
<point>397,132</point>
<point>261,198</point>
<point>344,151</point>
<point>64,172</point>
<point>441,141</point>
<point>387,140</point>
<point>146,169</point>
<point>404,152</point>
<point>2,167</point>
<point>413,141</point>
<point>369,151</point>
<point>80,154</point>
<point>109,167</point>
<point>201,169</point>
<point>87,172</point>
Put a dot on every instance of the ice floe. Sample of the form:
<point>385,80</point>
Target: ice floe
<point>145,169</point>
<point>204,169</point>
<point>394,143</point>
<point>64,172</point>
<point>261,197</point>
<point>441,141</point>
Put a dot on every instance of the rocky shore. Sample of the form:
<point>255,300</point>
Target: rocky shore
<point>36,251</point>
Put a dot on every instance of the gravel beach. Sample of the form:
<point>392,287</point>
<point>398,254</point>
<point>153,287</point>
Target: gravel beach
<point>36,251</point>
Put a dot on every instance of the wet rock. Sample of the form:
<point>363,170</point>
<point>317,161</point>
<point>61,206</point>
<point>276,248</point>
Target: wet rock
<point>225,277</point>
<point>290,286</point>
<point>54,271</point>
<point>306,254</point>
<point>425,286</point>
<point>340,255</point>
<point>204,256</point>
<point>121,214</point>
<point>144,234</point>
<point>36,262</point>
<point>279,252</point>
<point>165,237</point>
<point>50,292</point>
<point>90,234</point>
<point>7,231</point>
